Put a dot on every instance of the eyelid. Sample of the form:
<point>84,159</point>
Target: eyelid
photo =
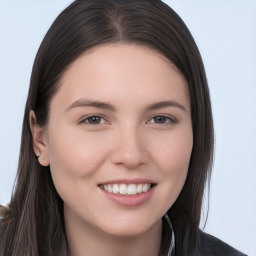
<point>172,119</point>
<point>83,119</point>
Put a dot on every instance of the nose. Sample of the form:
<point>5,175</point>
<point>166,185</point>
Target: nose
<point>129,148</point>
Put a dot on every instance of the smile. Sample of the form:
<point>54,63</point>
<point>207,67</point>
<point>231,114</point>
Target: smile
<point>126,189</point>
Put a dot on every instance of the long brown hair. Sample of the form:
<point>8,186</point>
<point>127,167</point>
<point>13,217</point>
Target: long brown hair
<point>34,221</point>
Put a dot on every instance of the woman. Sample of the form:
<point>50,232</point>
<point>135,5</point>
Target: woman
<point>117,139</point>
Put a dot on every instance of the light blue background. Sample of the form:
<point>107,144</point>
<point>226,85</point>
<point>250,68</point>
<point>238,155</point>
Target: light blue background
<point>225,32</point>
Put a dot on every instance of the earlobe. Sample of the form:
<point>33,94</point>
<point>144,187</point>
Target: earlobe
<point>39,143</point>
<point>44,160</point>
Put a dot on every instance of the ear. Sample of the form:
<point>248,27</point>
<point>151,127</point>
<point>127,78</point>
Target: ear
<point>39,140</point>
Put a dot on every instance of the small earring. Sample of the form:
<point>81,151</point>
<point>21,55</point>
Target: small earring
<point>37,154</point>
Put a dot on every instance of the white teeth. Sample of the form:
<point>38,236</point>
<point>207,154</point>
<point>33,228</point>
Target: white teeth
<point>124,189</point>
<point>145,188</point>
<point>109,188</point>
<point>132,190</point>
<point>139,188</point>
<point>115,189</point>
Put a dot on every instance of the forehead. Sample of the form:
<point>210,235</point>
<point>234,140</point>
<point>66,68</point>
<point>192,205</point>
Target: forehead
<point>116,71</point>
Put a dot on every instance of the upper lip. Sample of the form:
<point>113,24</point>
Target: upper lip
<point>128,181</point>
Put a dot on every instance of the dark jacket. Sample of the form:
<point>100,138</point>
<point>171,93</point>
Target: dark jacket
<point>212,246</point>
<point>201,243</point>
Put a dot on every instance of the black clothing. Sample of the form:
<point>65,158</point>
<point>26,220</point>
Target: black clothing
<point>212,246</point>
<point>208,244</point>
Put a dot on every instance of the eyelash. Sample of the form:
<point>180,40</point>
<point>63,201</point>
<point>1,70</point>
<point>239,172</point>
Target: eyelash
<point>171,120</point>
<point>85,120</point>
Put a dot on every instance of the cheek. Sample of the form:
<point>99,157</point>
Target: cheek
<point>173,160</point>
<point>74,156</point>
<point>174,152</point>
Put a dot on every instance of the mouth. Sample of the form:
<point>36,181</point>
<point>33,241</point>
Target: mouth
<point>127,189</point>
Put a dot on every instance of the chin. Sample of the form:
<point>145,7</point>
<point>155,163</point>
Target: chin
<point>127,228</point>
<point>125,232</point>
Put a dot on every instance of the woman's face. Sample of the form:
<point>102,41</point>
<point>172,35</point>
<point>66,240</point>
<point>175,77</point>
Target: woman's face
<point>119,139</point>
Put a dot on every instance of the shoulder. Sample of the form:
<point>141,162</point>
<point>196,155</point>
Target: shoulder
<point>212,246</point>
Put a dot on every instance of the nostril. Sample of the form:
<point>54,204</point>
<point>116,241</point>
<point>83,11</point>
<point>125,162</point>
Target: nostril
<point>128,149</point>
<point>129,159</point>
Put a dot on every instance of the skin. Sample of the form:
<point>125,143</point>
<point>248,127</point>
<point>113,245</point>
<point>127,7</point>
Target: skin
<point>127,143</point>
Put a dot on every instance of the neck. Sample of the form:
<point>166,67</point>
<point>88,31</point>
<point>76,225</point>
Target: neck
<point>84,239</point>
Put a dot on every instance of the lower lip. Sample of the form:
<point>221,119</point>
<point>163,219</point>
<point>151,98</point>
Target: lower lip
<point>132,200</point>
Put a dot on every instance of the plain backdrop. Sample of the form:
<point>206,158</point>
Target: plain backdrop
<point>225,32</point>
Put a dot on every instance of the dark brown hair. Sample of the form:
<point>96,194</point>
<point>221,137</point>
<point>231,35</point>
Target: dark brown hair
<point>34,222</point>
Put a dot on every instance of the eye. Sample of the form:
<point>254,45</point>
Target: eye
<point>94,120</point>
<point>161,119</point>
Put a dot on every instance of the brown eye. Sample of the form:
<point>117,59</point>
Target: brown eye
<point>94,120</point>
<point>161,119</point>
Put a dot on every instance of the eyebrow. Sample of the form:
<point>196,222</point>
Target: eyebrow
<point>92,103</point>
<point>164,104</point>
<point>109,106</point>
